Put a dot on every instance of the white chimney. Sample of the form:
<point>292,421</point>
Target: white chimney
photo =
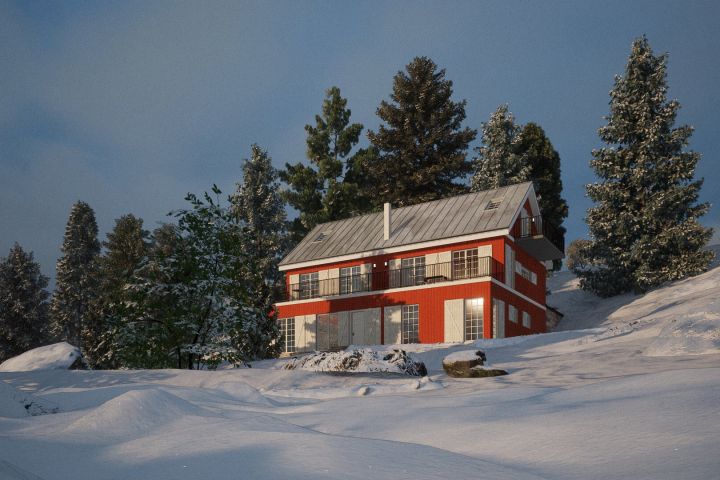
<point>386,222</point>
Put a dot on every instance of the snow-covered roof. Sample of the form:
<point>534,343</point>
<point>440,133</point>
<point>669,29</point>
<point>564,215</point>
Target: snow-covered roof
<point>467,214</point>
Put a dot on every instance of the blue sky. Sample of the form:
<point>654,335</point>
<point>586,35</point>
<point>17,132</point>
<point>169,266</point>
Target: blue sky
<point>130,105</point>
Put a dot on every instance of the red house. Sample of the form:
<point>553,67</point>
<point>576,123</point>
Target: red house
<point>461,268</point>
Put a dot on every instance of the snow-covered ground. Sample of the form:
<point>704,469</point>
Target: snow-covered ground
<point>634,394</point>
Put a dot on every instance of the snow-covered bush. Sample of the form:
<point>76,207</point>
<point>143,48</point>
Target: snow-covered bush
<point>360,360</point>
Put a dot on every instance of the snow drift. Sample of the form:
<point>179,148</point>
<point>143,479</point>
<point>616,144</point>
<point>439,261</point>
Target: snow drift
<point>360,360</point>
<point>17,404</point>
<point>59,356</point>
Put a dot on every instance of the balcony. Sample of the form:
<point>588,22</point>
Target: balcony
<point>380,280</point>
<point>540,239</point>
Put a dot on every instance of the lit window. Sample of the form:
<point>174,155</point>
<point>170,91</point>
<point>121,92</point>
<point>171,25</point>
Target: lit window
<point>410,324</point>
<point>465,263</point>
<point>350,280</point>
<point>473,318</point>
<point>309,285</point>
<point>287,334</point>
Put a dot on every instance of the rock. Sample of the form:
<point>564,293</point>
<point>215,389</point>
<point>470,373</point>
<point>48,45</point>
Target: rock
<point>362,360</point>
<point>469,364</point>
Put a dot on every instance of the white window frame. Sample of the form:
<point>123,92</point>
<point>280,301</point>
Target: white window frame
<point>465,263</point>
<point>526,320</point>
<point>350,280</point>
<point>413,271</point>
<point>410,324</point>
<point>287,339</point>
<point>309,285</point>
<point>513,313</point>
<point>474,318</point>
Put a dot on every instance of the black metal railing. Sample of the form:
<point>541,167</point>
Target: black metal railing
<point>529,227</point>
<point>386,278</point>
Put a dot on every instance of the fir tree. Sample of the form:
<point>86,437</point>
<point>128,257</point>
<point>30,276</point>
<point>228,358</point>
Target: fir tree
<point>320,192</point>
<point>23,304</point>
<point>498,162</point>
<point>127,245</point>
<point>644,225</point>
<point>543,162</point>
<point>422,145</point>
<point>258,206</point>
<point>76,292</point>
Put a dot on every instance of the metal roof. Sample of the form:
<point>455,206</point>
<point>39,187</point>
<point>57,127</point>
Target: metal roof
<point>436,220</point>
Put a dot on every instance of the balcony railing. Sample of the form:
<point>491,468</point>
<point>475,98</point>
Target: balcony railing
<point>536,228</point>
<point>394,278</point>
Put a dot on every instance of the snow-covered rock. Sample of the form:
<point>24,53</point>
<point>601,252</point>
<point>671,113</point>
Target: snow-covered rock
<point>469,364</point>
<point>359,360</point>
<point>59,356</point>
<point>17,404</point>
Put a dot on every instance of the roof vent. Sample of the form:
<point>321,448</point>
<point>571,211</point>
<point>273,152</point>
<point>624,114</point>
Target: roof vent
<point>322,236</point>
<point>493,204</point>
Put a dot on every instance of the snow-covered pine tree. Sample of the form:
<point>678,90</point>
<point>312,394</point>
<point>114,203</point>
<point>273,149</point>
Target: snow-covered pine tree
<point>422,145</point>
<point>257,204</point>
<point>644,225</point>
<point>76,291</point>
<point>126,247</point>
<point>23,304</point>
<point>498,162</point>
<point>319,191</point>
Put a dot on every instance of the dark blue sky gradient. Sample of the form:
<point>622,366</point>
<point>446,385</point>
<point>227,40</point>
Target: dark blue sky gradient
<point>130,105</point>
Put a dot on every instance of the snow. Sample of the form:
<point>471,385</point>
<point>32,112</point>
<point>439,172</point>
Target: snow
<point>462,356</point>
<point>358,360</point>
<point>626,388</point>
<point>51,357</point>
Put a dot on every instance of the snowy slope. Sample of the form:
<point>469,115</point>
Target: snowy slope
<point>596,403</point>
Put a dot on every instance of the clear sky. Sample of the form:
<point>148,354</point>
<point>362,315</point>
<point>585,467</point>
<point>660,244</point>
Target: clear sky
<point>130,105</point>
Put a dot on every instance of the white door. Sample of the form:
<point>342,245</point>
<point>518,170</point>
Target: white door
<point>365,326</point>
<point>454,320</point>
<point>357,323</point>
<point>498,318</point>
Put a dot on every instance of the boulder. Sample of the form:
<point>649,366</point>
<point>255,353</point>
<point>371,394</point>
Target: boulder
<point>469,364</point>
<point>361,360</point>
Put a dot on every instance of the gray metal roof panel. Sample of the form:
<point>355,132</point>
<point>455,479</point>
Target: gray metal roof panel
<point>439,219</point>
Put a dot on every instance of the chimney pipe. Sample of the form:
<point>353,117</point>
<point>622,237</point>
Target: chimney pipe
<point>386,222</point>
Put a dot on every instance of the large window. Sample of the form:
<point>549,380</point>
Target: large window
<point>350,280</point>
<point>473,318</point>
<point>410,324</point>
<point>287,334</point>
<point>309,285</point>
<point>465,263</point>
<point>413,271</point>
<point>513,313</point>
<point>526,320</point>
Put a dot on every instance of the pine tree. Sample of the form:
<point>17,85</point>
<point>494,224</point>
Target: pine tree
<point>422,145</point>
<point>71,309</point>
<point>644,225</point>
<point>23,304</point>
<point>536,151</point>
<point>498,162</point>
<point>258,206</point>
<point>127,245</point>
<point>320,192</point>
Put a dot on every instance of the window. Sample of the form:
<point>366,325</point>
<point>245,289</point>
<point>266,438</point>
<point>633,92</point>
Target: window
<point>526,320</point>
<point>512,313</point>
<point>413,271</point>
<point>473,318</point>
<point>524,272</point>
<point>465,263</point>
<point>350,279</point>
<point>410,324</point>
<point>309,285</point>
<point>287,334</point>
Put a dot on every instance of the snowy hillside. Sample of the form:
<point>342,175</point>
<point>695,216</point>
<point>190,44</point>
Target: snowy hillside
<point>627,388</point>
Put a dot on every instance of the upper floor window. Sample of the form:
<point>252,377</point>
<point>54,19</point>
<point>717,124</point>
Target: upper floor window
<point>465,263</point>
<point>525,272</point>
<point>350,280</point>
<point>309,285</point>
<point>413,271</point>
